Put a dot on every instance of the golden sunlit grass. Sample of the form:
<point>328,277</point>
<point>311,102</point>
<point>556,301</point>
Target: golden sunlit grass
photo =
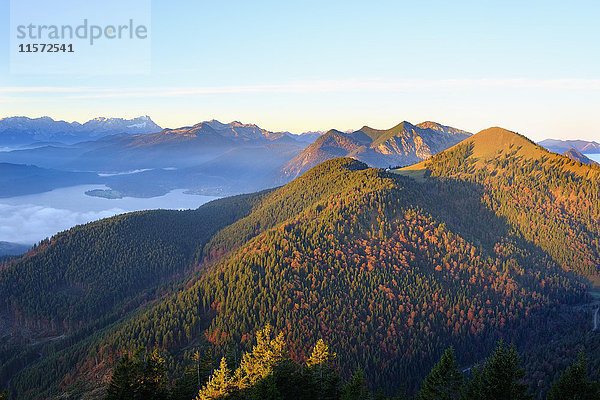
<point>494,142</point>
<point>416,174</point>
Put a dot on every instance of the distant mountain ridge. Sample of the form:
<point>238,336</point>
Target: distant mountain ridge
<point>211,155</point>
<point>561,146</point>
<point>403,144</point>
<point>233,131</point>
<point>25,130</point>
<point>579,157</point>
<point>230,158</point>
<point>12,249</point>
<point>19,179</point>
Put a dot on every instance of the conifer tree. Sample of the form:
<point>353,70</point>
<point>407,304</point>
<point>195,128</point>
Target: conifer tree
<point>135,378</point>
<point>500,378</point>
<point>444,382</point>
<point>356,388</point>
<point>259,363</point>
<point>153,384</point>
<point>575,383</point>
<point>218,385</point>
<point>123,381</point>
<point>324,377</point>
<point>197,358</point>
<point>320,355</point>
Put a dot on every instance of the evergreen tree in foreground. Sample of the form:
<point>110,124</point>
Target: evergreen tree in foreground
<point>258,373</point>
<point>258,364</point>
<point>153,383</point>
<point>500,378</point>
<point>575,384</point>
<point>267,373</point>
<point>135,378</point>
<point>444,382</point>
<point>324,377</point>
<point>219,384</point>
<point>356,388</point>
<point>122,383</point>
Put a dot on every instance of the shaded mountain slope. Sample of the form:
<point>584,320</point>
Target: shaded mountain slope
<point>87,271</point>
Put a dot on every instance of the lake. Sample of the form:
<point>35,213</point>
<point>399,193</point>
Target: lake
<point>31,218</point>
<point>595,157</point>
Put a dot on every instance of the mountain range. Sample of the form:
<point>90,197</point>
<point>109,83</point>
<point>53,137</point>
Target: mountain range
<point>16,131</point>
<point>210,157</point>
<point>403,144</point>
<point>494,237</point>
<point>561,146</point>
<point>19,179</point>
<point>12,249</point>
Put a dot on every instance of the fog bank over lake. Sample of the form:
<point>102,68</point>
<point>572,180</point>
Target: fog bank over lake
<point>29,219</point>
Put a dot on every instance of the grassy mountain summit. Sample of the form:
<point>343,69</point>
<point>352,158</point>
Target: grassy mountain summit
<point>489,242</point>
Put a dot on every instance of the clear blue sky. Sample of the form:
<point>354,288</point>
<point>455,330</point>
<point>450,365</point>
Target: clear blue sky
<point>530,66</point>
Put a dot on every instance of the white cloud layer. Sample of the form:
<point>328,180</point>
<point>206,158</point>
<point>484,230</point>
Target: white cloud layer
<point>31,218</point>
<point>29,224</point>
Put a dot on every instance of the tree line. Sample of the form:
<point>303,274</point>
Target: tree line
<point>267,372</point>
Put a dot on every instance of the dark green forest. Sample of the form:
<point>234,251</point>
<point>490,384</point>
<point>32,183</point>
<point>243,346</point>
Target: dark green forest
<point>75,284</point>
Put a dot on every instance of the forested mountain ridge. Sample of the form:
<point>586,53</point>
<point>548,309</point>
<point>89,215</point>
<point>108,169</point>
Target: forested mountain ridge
<point>313,188</point>
<point>550,199</point>
<point>390,270</point>
<point>371,267</point>
<point>76,273</point>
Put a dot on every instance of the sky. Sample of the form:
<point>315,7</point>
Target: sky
<point>529,66</point>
